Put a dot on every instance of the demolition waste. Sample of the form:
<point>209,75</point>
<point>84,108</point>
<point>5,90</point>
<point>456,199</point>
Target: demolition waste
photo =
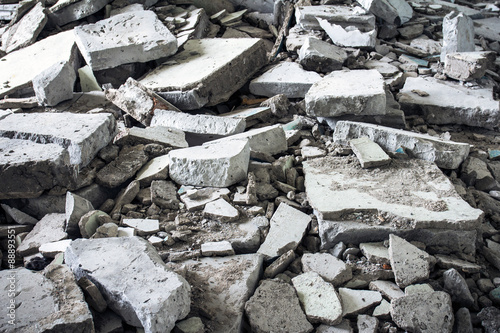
<point>250,166</point>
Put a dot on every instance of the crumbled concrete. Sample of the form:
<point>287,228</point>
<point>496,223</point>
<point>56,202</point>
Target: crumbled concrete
<point>119,267</point>
<point>320,300</point>
<point>446,154</point>
<point>89,222</point>
<point>369,153</point>
<point>125,38</point>
<point>211,78</point>
<point>317,55</point>
<point>458,34</point>
<point>49,229</point>
<point>217,165</point>
<point>167,137</point>
<point>221,210</point>
<point>467,66</point>
<point>490,318</point>
<point>357,301</point>
<point>359,92</point>
<point>288,226</point>
<point>196,199</point>
<point>275,307</point>
<point>395,12</point>
<point>409,263</point>
<point>330,268</point>
<point>287,78</point>
<point>425,312</point>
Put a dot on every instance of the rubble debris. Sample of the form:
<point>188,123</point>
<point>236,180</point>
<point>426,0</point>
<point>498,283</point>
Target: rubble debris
<point>17,216</point>
<point>166,299</point>
<point>467,66</point>
<point>49,229</point>
<point>456,286</point>
<point>350,36</point>
<point>317,55</point>
<point>395,12</point>
<point>221,249</point>
<point>76,207</point>
<point>63,12</point>
<point>458,34</point>
<point>409,263</point>
<point>357,301</point>
<point>221,210</point>
<point>331,269</point>
<point>367,324</point>
<point>369,153</point>
<point>308,17</point>
<point>143,227</point>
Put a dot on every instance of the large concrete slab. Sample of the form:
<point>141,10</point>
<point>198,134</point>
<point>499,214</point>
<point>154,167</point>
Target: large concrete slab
<point>18,68</point>
<point>83,135</point>
<point>410,194</point>
<point>344,16</point>
<point>450,103</point>
<point>202,74</point>
<point>446,154</point>
<point>125,38</point>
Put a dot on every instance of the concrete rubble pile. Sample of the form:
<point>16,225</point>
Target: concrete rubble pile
<point>250,166</point>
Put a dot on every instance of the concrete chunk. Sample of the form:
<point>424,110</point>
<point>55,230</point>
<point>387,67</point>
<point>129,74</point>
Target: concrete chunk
<point>369,153</point>
<point>320,300</point>
<point>168,137</point>
<point>123,39</point>
<point>308,16</point>
<point>409,263</point>
<point>458,34</point>
<point>217,165</point>
<point>358,92</point>
<point>156,169</point>
<point>288,226</point>
<point>221,210</point>
<point>143,227</point>
<point>467,66</point>
<point>164,194</point>
<point>120,267</point>
<point>395,12</point>
<point>357,301</point>
<point>446,154</point>
<point>55,84</point>
<point>387,288</point>
<point>350,36</point>
<point>76,207</point>
<point>367,324</point>
<point>450,103</point>
<point>317,55</point>
<point>220,249</point>
<point>456,286</point>
<point>65,11</point>
<point>203,75</point>
<point>18,216</point>
<point>196,199</point>
<point>330,268</point>
<point>287,78</point>
<point>52,249</point>
<point>198,124</point>
<point>49,229</point>
<point>375,252</point>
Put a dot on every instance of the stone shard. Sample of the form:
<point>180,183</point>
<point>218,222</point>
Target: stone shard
<point>450,103</point>
<point>165,136</point>
<point>202,75</point>
<point>217,165</point>
<point>330,268</point>
<point>320,300</point>
<point>143,227</point>
<point>48,302</point>
<point>49,229</point>
<point>395,12</point>
<point>18,216</point>
<point>156,169</point>
<point>221,210</point>
<point>288,226</point>
<point>308,16</point>
<point>76,207</point>
<point>164,194</point>
<point>239,276</point>
<point>120,267</point>
<point>369,153</point>
<point>458,34</point>
<point>55,84</point>
<point>387,288</point>
<point>409,263</point>
<point>275,307</point>
<point>456,286</point>
<point>65,11</point>
<point>446,154</point>
<point>467,66</point>
<point>198,124</point>
<point>221,249</point>
<point>423,312</point>
<point>320,56</point>
<point>357,301</point>
<point>350,36</point>
<point>125,38</point>
<point>367,324</point>
<point>287,78</point>
<point>18,68</point>
<point>357,92</point>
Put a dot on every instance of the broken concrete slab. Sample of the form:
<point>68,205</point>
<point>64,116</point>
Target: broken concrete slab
<point>467,66</point>
<point>65,11</point>
<point>395,12</point>
<point>475,172</point>
<point>52,249</point>
<point>458,34</point>
<point>317,55</point>
<point>446,154</point>
<point>448,262</point>
<point>357,301</point>
<point>298,36</point>
<point>119,267</point>
<point>387,288</point>
<point>369,153</point>
<point>25,31</point>
<point>196,199</point>
<point>211,78</point>
<point>386,69</point>
<point>199,123</point>
<point>49,229</point>
<point>330,268</point>
<point>164,194</point>
<point>308,16</point>
<point>409,263</point>
<point>125,38</point>
<point>76,207</point>
<point>239,275</point>
<point>433,203</point>
<point>426,312</point>
<point>359,92</point>
<point>450,103</point>
<point>275,307</point>
<point>221,210</point>
<point>287,78</point>
<point>46,302</point>
<point>375,252</point>
<point>55,84</point>
<point>350,36</point>
<point>165,136</point>
<point>217,165</point>
<point>17,216</point>
<point>217,249</point>
<point>143,227</point>
<point>320,300</point>
<point>288,226</point>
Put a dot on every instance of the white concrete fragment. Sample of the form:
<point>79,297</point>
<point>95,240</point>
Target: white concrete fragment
<point>375,252</point>
<point>350,36</point>
<point>125,38</point>
<point>199,124</point>
<point>156,169</point>
<point>395,12</point>
<point>383,310</point>
<point>446,154</point>
<point>196,199</point>
<point>367,324</point>
<point>317,55</point>
<point>467,66</point>
<point>143,227</point>
<point>65,11</point>
<point>450,103</point>
<point>18,216</point>
<point>308,16</point>
<point>387,288</point>
<point>121,267</point>
<point>320,300</point>
<point>287,78</point>
<point>220,249</point>
<point>263,6</point>
<point>330,268</point>
<point>168,137</point>
<point>369,153</point>
<point>50,250</point>
<point>75,208</point>
<point>55,84</point>
<point>221,210</point>
<point>357,92</point>
<point>203,75</point>
<point>217,165</point>
<point>355,301</point>
<point>409,263</point>
<point>458,34</point>
<point>288,226</point>
<point>49,229</point>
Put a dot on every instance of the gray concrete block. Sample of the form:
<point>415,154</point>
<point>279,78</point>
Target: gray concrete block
<point>49,229</point>
<point>369,153</point>
<point>467,66</point>
<point>320,56</point>
<point>349,37</point>
<point>67,11</point>
<point>458,34</point>
<point>395,12</point>
<point>165,136</point>
<point>55,84</point>
<point>344,16</point>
